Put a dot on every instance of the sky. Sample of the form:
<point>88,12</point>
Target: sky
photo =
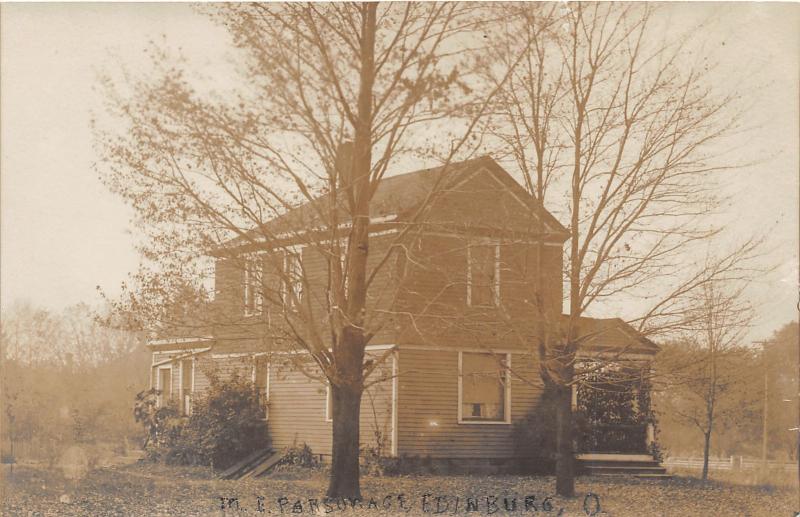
<point>62,233</point>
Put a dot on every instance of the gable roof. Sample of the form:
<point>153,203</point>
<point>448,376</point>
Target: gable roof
<point>398,196</point>
<point>610,334</point>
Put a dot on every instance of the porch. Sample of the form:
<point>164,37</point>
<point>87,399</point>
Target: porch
<point>611,405</point>
<point>615,425</point>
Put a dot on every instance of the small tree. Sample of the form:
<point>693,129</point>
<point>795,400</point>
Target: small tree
<point>709,377</point>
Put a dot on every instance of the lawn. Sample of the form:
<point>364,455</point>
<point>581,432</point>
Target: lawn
<point>147,489</point>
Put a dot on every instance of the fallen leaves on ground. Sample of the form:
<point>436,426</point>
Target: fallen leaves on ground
<point>157,490</point>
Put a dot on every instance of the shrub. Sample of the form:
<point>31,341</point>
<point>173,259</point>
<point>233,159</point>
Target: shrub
<point>374,462</point>
<point>534,436</point>
<point>162,425</point>
<point>226,425</point>
<point>299,456</point>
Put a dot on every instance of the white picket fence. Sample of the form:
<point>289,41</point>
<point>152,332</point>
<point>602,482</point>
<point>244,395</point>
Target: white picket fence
<point>731,463</point>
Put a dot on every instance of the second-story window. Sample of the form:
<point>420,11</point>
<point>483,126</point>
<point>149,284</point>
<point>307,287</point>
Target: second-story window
<point>345,281</point>
<point>483,275</point>
<point>253,295</point>
<point>292,288</point>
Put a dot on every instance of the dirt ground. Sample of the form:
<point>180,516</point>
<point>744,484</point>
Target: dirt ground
<point>147,489</point>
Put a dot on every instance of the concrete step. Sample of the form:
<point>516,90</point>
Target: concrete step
<point>610,463</point>
<point>628,475</point>
<point>653,476</point>
<point>625,470</point>
<point>636,465</point>
<point>602,456</point>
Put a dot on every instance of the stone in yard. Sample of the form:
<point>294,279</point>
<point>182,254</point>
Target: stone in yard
<point>65,499</point>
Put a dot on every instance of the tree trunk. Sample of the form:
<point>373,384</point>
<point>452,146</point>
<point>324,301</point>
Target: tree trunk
<point>565,458</point>
<point>706,450</point>
<point>345,479</point>
<point>349,351</point>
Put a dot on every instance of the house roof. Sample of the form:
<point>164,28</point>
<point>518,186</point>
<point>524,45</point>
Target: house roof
<point>397,197</point>
<point>610,334</point>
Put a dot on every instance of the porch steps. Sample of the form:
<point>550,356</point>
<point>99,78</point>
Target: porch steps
<point>264,466</point>
<point>246,465</point>
<point>636,465</point>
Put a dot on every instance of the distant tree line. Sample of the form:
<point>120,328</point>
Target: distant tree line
<point>66,380</point>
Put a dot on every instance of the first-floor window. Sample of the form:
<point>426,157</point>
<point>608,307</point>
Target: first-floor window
<point>484,387</point>
<point>261,382</point>
<point>328,403</point>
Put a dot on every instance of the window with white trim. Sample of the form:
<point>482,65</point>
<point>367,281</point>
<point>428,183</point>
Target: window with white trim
<point>484,388</point>
<point>483,275</point>
<point>253,294</point>
<point>292,282</point>
<point>261,381</point>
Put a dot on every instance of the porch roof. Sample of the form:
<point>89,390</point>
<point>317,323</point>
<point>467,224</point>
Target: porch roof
<point>610,335</point>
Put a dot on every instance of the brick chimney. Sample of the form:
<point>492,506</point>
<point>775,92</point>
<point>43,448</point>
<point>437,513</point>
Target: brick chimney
<point>344,160</point>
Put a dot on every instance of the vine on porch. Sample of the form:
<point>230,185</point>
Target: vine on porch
<point>614,410</point>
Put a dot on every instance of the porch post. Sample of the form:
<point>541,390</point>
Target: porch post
<point>574,398</point>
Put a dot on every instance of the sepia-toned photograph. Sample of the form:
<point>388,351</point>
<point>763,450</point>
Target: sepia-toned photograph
<point>400,258</point>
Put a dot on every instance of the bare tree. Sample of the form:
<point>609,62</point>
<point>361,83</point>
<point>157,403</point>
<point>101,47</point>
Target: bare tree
<point>614,125</point>
<point>331,96</point>
<point>710,376</point>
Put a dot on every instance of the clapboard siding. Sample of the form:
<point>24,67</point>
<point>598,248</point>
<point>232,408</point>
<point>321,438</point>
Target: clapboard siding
<point>297,412</point>
<point>207,365</point>
<point>428,407</point>
<point>201,382</point>
<point>432,305</point>
<point>375,428</point>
